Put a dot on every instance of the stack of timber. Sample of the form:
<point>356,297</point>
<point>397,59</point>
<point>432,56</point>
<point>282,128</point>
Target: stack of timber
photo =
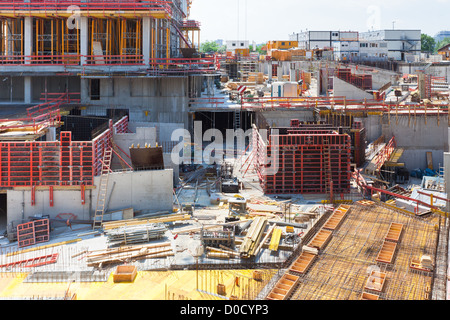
<point>135,234</point>
<point>128,254</point>
<point>252,240</point>
<point>137,222</point>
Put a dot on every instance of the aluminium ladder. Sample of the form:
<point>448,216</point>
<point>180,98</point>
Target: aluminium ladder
<point>102,189</point>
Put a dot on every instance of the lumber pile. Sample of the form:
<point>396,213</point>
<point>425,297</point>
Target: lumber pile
<point>216,253</point>
<point>128,254</point>
<point>137,222</point>
<point>135,234</point>
<point>253,237</point>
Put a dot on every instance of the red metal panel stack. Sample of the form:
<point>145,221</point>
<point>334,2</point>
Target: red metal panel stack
<point>302,162</point>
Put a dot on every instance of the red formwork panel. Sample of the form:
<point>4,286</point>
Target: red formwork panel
<point>25,234</point>
<point>302,162</point>
<point>37,163</point>
<point>33,232</point>
<point>103,142</point>
<point>33,262</point>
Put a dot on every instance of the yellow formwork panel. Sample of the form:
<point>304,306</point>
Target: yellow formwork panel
<point>275,241</point>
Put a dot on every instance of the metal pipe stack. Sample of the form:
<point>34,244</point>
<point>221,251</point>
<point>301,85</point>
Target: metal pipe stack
<point>135,234</point>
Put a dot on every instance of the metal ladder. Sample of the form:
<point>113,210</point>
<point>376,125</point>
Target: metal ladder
<point>102,189</point>
<point>237,119</point>
<point>328,172</point>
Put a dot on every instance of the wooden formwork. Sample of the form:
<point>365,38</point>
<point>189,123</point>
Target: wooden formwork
<point>302,264</point>
<point>321,239</point>
<point>386,254</point>
<point>369,296</point>
<point>336,218</point>
<point>376,281</point>
<point>394,233</point>
<point>283,288</point>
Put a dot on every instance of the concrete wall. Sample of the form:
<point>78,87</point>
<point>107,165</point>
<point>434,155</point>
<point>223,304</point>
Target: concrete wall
<point>147,135</point>
<point>419,138</point>
<point>141,190</point>
<point>282,118</point>
<point>447,175</point>
<point>162,100</point>
<point>344,89</point>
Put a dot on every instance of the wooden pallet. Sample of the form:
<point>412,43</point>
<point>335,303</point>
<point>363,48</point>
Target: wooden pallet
<point>303,263</point>
<point>394,232</point>
<point>386,254</point>
<point>321,239</point>
<point>283,288</point>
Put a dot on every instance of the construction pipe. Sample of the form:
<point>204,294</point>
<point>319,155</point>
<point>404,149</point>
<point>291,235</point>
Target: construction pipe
<point>290,224</point>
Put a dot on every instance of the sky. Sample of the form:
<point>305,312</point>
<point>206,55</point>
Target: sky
<point>264,20</point>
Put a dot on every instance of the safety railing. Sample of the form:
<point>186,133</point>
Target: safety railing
<point>182,65</point>
<point>42,60</point>
<point>102,60</point>
<point>21,6</point>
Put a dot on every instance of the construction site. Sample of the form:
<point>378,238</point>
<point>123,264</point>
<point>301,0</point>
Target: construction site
<point>116,181</point>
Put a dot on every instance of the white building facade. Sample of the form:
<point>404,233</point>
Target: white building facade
<point>399,42</point>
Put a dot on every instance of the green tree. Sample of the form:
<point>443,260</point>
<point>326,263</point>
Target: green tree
<point>212,46</point>
<point>428,43</point>
<point>442,43</point>
<point>259,49</point>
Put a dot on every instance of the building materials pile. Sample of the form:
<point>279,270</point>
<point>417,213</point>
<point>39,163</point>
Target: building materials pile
<point>136,222</point>
<point>128,254</point>
<point>253,237</point>
<point>135,234</point>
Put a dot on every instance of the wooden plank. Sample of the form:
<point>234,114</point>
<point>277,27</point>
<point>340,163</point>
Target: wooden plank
<point>369,296</point>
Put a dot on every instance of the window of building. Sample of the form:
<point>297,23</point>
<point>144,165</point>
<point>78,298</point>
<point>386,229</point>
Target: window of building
<point>242,44</point>
<point>233,44</point>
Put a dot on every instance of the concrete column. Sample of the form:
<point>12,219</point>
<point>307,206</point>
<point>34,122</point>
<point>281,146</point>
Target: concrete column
<point>84,39</point>
<point>269,71</point>
<point>447,175</point>
<point>27,90</point>
<point>28,38</point>
<point>146,39</point>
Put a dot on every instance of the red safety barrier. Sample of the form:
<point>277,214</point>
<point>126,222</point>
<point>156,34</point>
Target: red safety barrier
<point>41,163</point>
<point>21,8</point>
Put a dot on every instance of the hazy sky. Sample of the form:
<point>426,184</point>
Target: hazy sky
<point>263,20</point>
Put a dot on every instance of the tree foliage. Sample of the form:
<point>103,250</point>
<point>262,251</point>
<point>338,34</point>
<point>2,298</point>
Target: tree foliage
<point>442,43</point>
<point>212,46</point>
<point>259,49</point>
<point>428,43</point>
